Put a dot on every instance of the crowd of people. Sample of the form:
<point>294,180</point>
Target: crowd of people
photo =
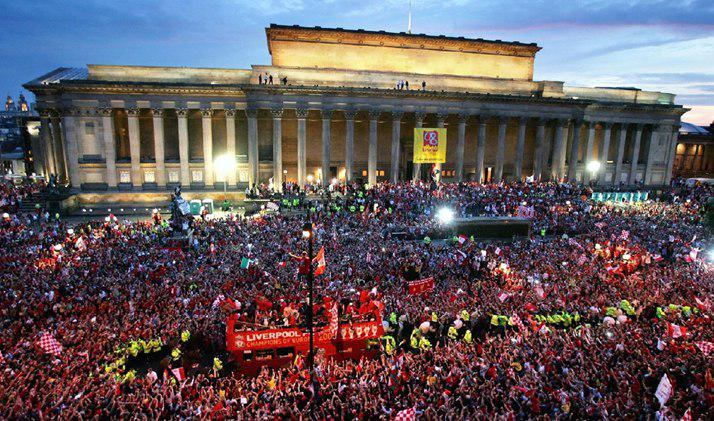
<point>584,318</point>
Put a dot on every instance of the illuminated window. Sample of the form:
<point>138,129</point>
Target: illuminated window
<point>364,173</point>
<point>381,173</point>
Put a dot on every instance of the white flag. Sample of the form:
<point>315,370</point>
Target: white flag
<point>664,390</point>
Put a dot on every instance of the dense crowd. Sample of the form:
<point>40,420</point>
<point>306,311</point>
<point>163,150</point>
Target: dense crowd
<point>580,320</point>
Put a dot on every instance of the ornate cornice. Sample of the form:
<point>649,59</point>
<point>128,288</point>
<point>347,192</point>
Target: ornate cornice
<point>157,112</point>
<point>277,113</point>
<point>207,112</point>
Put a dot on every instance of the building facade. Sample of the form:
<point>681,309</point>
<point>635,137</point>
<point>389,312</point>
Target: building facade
<point>342,104</point>
<point>695,152</point>
<point>20,151</point>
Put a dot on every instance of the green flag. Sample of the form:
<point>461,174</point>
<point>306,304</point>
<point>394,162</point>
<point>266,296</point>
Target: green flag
<point>245,263</point>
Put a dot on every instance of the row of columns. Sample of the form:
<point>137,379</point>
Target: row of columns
<point>61,164</point>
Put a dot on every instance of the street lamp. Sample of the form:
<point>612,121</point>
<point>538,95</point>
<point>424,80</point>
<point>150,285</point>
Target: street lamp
<point>224,165</point>
<point>593,167</point>
<point>307,234</point>
<point>445,215</point>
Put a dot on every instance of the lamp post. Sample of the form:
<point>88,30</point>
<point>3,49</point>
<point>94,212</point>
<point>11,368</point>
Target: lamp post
<point>307,234</point>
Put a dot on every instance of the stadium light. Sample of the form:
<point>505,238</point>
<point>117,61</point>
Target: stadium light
<point>445,215</point>
<point>593,167</point>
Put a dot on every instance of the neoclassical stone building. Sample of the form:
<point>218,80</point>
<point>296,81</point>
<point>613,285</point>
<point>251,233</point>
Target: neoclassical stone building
<point>329,105</point>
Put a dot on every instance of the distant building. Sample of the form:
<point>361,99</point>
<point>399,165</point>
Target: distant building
<point>336,105</point>
<point>695,151</point>
<point>20,149</point>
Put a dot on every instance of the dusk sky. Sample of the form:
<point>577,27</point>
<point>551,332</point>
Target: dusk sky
<point>650,44</point>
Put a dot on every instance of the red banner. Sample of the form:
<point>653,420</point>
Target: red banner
<point>420,286</point>
<point>277,338</point>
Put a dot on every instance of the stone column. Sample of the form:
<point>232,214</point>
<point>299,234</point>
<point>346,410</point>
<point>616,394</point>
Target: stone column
<point>110,148</point>
<point>69,118</point>
<point>208,175</point>
<point>574,149</point>
<point>672,154</point>
<point>480,147</point>
<point>604,150</point>
<point>501,149</point>
<point>621,140</point>
<point>182,114</point>
<point>58,146</point>
<point>158,120</point>
<point>652,145</point>
<point>440,121</point>
<point>277,149</point>
<point>47,142</point>
<point>396,134</point>
<point>418,124</point>
<point>349,144</point>
<point>134,147</point>
<point>372,154</point>
<point>253,157</point>
<point>460,145</point>
<point>520,147</point>
<point>635,154</point>
<point>556,170</point>
<point>539,150</point>
<point>301,114</point>
<point>326,135</point>
<point>589,149</point>
<point>231,143</point>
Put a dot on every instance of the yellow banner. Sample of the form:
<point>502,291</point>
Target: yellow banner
<point>429,146</point>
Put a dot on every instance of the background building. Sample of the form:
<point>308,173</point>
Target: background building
<point>343,104</point>
<point>19,139</point>
<point>695,151</point>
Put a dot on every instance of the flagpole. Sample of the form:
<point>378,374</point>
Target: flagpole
<point>308,233</point>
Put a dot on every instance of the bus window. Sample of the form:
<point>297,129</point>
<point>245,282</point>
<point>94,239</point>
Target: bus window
<point>264,355</point>
<point>285,352</point>
<point>247,355</point>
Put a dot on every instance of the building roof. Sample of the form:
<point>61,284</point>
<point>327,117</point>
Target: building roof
<point>693,129</point>
<point>400,34</point>
<point>60,74</point>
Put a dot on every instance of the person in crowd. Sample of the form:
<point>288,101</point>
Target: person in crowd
<point>581,319</point>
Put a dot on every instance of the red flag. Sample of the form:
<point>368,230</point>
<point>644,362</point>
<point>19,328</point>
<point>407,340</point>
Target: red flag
<point>705,347</point>
<point>687,415</point>
<point>406,415</point>
<point>50,344</point>
<point>422,285</point>
<point>676,331</point>
<point>320,259</point>
<point>503,296</point>
<point>179,373</point>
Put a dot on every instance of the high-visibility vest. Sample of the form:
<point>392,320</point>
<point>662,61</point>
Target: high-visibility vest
<point>465,315</point>
<point>414,339</point>
<point>660,313</point>
<point>494,320</point>
<point>217,364</point>
<point>434,317</point>
<point>452,332</point>
<point>467,337</point>
<point>389,344</point>
<point>175,354</point>
<point>185,336</point>
<point>424,344</point>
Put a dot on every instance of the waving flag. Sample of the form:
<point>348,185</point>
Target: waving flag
<point>50,344</point>
<point>179,373</point>
<point>664,390</point>
<point>320,259</point>
<point>406,415</point>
